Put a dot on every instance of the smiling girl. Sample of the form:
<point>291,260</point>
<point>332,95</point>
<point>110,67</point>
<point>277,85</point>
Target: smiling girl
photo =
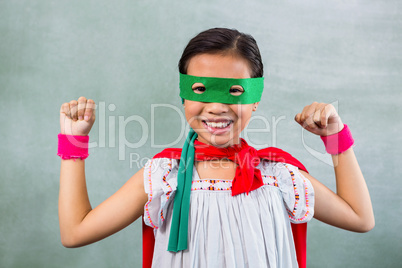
<point>218,202</point>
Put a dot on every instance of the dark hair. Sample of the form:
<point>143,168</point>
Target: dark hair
<point>223,41</point>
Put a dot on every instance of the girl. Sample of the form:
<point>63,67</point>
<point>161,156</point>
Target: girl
<point>217,202</point>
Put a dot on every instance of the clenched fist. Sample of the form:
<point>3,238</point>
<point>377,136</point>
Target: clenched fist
<point>77,117</point>
<point>320,118</point>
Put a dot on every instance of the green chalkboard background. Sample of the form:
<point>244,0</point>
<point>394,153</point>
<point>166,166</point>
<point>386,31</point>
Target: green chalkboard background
<point>124,55</point>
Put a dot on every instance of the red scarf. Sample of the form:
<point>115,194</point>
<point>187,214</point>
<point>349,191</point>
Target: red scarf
<point>248,177</point>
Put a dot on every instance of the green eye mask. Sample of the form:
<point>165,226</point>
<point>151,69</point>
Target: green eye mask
<point>218,89</point>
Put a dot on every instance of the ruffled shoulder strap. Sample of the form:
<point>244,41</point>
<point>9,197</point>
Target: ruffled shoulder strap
<point>160,183</point>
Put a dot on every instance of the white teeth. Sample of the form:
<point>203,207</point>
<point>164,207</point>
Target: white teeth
<point>217,125</point>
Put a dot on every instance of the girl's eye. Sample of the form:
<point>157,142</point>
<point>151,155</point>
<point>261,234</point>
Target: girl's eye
<point>198,88</point>
<point>236,90</point>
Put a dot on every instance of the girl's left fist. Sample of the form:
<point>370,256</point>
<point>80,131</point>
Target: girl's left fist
<point>320,119</point>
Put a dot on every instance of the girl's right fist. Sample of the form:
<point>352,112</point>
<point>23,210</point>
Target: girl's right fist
<point>77,117</point>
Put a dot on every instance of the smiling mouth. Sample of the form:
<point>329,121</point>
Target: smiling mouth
<point>218,127</point>
<point>217,124</point>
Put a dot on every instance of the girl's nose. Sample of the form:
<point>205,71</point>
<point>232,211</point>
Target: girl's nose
<point>216,108</point>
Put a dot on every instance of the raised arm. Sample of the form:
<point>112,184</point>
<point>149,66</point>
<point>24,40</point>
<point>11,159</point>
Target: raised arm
<point>79,223</point>
<point>350,207</point>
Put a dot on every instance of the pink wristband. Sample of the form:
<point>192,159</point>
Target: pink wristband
<point>339,142</point>
<point>73,147</point>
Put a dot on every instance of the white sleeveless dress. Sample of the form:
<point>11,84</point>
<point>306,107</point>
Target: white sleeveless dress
<point>229,231</point>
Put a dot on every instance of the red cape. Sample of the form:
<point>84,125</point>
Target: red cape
<point>270,153</point>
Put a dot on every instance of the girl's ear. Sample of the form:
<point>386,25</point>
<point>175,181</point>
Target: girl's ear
<point>184,104</point>
<point>255,106</point>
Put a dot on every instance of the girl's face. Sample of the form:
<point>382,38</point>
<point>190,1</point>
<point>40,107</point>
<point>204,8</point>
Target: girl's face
<point>218,124</point>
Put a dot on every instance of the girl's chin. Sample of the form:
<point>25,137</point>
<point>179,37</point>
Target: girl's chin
<point>219,141</point>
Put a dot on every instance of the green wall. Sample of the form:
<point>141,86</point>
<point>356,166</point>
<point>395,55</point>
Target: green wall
<point>124,54</point>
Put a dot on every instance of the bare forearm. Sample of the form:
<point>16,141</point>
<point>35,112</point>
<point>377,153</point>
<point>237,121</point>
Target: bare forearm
<point>352,188</point>
<point>74,203</point>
